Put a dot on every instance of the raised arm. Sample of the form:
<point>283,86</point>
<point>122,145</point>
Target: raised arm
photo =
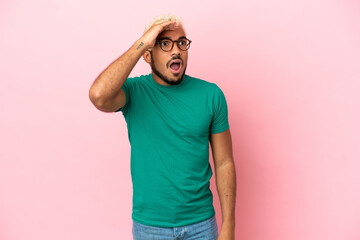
<point>106,93</point>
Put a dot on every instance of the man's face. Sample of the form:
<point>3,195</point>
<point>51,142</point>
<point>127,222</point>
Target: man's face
<point>169,66</point>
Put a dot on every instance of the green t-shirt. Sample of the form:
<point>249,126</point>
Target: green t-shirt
<point>169,129</point>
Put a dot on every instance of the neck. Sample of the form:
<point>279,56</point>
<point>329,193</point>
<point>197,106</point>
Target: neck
<point>162,80</point>
<point>159,80</point>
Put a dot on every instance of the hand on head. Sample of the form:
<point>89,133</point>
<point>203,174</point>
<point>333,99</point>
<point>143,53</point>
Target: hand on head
<point>149,37</point>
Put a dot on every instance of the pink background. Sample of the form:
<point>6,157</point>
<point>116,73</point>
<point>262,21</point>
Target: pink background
<point>290,71</point>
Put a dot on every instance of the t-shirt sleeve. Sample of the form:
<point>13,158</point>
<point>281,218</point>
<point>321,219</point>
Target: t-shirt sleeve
<point>219,121</point>
<point>127,86</point>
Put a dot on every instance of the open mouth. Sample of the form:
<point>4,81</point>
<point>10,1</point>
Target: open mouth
<point>175,66</point>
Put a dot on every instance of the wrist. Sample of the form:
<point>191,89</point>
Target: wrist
<point>139,46</point>
<point>146,44</point>
<point>228,225</point>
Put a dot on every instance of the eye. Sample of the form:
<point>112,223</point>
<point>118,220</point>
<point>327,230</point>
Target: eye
<point>164,43</point>
<point>182,42</point>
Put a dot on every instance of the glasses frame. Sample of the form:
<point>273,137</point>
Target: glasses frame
<point>172,45</point>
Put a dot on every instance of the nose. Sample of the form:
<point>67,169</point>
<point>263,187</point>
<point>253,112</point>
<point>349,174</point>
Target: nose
<point>175,50</point>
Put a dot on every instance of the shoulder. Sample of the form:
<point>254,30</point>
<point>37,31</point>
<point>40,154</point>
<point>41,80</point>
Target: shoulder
<point>207,86</point>
<point>202,83</point>
<point>136,80</point>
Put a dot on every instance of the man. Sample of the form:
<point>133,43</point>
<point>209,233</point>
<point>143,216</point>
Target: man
<point>171,117</point>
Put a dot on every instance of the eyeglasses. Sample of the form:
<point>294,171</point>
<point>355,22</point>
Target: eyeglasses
<point>168,44</point>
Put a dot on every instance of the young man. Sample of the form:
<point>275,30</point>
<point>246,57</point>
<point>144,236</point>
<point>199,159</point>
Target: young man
<point>171,117</point>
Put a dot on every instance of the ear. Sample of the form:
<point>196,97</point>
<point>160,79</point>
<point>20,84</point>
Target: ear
<point>147,56</point>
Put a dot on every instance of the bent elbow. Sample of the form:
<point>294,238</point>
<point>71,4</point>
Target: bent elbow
<point>96,99</point>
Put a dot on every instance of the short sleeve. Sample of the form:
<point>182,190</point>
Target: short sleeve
<point>219,121</point>
<point>127,89</point>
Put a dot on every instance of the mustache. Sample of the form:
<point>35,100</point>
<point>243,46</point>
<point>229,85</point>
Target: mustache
<point>173,58</point>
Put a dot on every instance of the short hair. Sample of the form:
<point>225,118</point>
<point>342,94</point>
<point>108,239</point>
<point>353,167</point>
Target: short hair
<point>161,19</point>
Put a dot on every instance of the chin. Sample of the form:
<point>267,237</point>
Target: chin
<point>169,77</point>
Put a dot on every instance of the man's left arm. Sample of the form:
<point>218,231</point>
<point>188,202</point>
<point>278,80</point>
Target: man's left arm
<point>225,175</point>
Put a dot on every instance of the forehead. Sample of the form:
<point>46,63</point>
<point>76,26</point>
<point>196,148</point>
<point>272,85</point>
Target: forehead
<point>173,34</point>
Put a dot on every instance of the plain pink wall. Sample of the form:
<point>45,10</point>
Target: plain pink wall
<point>290,71</point>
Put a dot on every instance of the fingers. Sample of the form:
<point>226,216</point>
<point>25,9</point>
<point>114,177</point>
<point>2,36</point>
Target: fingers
<point>170,25</point>
<point>151,34</point>
<point>164,26</point>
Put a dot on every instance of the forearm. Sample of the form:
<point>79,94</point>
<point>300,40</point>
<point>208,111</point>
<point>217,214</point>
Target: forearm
<point>108,84</point>
<point>110,81</point>
<point>226,187</point>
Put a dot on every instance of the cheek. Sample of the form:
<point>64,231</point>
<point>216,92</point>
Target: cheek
<point>185,58</point>
<point>162,64</point>
<point>159,61</point>
<point>185,62</point>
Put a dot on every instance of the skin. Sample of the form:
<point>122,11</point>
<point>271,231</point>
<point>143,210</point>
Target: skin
<point>159,60</point>
<point>225,176</point>
<point>106,95</point>
<point>167,80</point>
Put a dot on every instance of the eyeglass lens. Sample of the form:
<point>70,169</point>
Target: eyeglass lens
<point>167,44</point>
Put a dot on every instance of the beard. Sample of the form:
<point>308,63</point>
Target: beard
<point>164,78</point>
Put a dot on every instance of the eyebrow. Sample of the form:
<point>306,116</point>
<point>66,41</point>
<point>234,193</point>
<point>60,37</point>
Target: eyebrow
<point>170,38</point>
